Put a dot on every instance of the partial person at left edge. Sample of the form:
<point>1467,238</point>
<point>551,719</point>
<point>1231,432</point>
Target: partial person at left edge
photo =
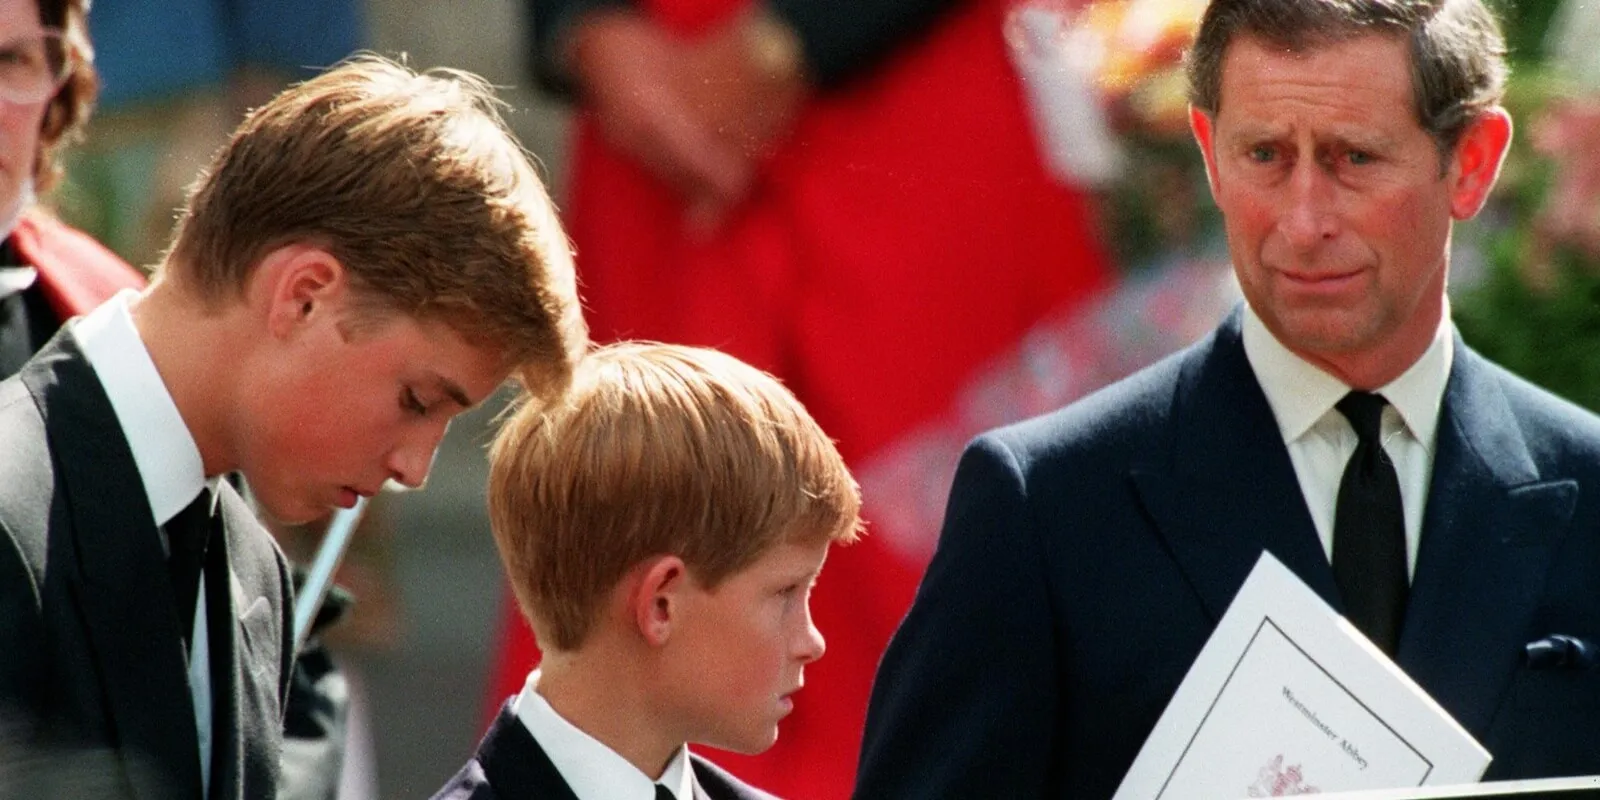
<point>370,255</point>
<point>49,272</point>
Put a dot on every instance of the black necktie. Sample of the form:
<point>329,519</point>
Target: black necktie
<point>187,535</point>
<point>1369,530</point>
<point>663,793</point>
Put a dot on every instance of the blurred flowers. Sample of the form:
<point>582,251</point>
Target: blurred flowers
<point>1109,94</point>
<point>1536,308</point>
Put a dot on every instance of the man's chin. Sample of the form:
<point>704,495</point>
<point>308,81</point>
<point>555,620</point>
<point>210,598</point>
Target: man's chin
<point>1322,332</point>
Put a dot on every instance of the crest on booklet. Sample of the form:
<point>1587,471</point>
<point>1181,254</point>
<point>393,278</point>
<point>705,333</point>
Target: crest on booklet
<point>1275,780</point>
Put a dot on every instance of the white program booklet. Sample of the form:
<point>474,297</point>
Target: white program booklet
<point>1288,698</point>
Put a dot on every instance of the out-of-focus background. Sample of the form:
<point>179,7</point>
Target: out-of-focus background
<point>1133,263</point>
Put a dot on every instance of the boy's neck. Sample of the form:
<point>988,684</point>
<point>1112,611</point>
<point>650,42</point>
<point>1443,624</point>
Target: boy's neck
<point>192,351</point>
<point>607,700</point>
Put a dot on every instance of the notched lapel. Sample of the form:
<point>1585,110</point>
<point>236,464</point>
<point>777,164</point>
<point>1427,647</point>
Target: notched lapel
<point>247,686</point>
<point>1540,513</point>
<point>1221,489</point>
<point>515,765</point>
<point>1491,525</point>
<point>126,599</point>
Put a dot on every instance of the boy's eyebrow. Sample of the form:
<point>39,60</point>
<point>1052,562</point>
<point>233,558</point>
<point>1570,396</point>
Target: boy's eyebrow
<point>452,390</point>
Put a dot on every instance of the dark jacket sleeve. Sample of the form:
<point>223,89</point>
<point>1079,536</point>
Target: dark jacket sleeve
<point>966,696</point>
<point>840,38</point>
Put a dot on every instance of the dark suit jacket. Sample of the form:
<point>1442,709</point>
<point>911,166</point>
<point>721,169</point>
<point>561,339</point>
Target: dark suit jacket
<point>510,764</point>
<point>91,659</point>
<point>1087,555</point>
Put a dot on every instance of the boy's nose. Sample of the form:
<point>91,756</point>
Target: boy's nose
<point>410,462</point>
<point>812,645</point>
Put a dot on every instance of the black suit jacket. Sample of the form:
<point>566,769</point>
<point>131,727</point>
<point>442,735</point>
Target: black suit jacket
<point>92,667</point>
<point>1087,555</point>
<point>510,764</point>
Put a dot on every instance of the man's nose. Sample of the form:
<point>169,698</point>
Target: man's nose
<point>1308,217</point>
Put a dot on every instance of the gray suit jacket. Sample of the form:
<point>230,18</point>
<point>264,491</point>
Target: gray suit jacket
<point>93,681</point>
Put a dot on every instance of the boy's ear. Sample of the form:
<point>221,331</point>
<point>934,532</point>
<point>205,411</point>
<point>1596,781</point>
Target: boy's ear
<point>296,284</point>
<point>657,600</point>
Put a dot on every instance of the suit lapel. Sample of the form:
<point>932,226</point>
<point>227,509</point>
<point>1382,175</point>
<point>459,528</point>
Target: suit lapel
<point>221,608</point>
<point>712,782</point>
<point>1491,524</point>
<point>516,766</point>
<point>141,663</point>
<point>1218,482</point>
<point>247,658</point>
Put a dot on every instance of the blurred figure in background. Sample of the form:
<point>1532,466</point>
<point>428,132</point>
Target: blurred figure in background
<point>847,193</point>
<point>49,272</point>
<point>178,75</point>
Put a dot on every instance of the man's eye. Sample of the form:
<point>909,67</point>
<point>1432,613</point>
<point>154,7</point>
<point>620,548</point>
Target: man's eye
<point>410,402</point>
<point>1358,157</point>
<point>1261,154</point>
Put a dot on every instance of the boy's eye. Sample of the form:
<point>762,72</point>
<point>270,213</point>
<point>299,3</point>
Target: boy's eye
<point>411,403</point>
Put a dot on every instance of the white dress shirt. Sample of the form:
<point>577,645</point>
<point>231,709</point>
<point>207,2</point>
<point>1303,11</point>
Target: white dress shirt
<point>1320,440</point>
<point>165,454</point>
<point>593,770</point>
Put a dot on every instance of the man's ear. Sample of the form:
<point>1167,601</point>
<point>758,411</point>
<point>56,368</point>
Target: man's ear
<point>296,284</point>
<point>1475,164</point>
<point>656,601</point>
<point>1204,129</point>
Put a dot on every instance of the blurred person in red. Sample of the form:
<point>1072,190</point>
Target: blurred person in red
<point>846,193</point>
<point>49,272</point>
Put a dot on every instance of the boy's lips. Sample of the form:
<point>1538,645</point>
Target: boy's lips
<point>348,495</point>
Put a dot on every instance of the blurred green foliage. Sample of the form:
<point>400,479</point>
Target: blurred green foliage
<point>1536,310</point>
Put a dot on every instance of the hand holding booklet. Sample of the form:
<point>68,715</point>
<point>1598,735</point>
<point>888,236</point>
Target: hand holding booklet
<point>1288,698</point>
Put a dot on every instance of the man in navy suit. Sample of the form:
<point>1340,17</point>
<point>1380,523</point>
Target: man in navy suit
<point>1087,555</point>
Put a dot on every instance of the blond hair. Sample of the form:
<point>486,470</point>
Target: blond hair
<point>68,110</point>
<point>414,184</point>
<point>656,450</point>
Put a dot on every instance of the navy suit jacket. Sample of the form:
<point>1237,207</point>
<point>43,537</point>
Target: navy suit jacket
<point>94,688</point>
<point>510,764</point>
<point>1088,554</point>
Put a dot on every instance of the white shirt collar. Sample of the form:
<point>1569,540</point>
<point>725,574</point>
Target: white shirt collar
<point>1300,394</point>
<point>593,770</point>
<point>163,449</point>
<point>16,279</point>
